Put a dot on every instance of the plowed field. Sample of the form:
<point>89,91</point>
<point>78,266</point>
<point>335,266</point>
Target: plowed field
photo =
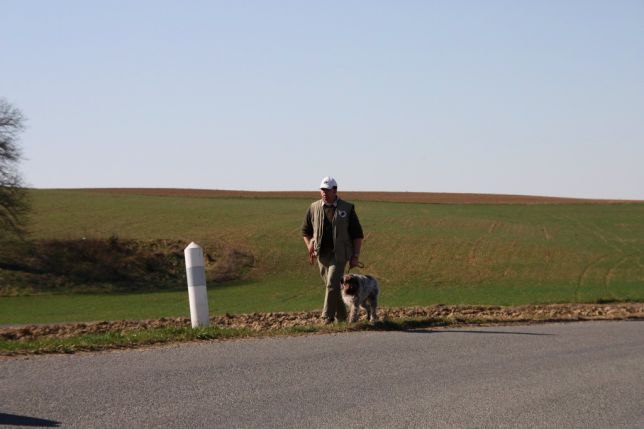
<point>398,197</point>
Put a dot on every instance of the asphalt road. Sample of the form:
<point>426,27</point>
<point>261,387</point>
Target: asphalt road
<point>588,375</point>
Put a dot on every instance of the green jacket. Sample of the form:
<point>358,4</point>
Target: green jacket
<point>342,241</point>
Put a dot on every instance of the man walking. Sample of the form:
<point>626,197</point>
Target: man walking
<point>332,234</point>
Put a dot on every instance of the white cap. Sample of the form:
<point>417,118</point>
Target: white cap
<point>328,183</point>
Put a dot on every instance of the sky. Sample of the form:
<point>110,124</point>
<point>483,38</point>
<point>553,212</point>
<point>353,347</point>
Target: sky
<point>527,97</point>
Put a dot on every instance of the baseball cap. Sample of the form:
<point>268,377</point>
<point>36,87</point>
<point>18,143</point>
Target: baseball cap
<point>328,183</point>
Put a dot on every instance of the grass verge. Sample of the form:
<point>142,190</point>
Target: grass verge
<point>143,338</point>
<point>118,340</point>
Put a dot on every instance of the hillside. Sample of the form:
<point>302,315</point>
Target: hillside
<point>426,251</point>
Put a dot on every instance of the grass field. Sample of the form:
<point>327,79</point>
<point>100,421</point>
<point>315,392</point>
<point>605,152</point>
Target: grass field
<point>423,254</point>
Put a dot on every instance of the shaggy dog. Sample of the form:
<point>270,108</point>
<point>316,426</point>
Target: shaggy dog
<point>360,291</point>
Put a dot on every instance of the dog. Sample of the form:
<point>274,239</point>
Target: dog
<point>360,291</point>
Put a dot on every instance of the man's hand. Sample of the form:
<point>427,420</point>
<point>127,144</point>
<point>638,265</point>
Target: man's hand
<point>312,255</point>
<point>355,259</point>
<point>311,249</point>
<point>354,262</point>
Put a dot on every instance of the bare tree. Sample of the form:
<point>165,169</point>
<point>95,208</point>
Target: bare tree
<point>14,205</point>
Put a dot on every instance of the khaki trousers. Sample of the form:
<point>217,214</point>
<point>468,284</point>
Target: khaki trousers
<point>331,272</point>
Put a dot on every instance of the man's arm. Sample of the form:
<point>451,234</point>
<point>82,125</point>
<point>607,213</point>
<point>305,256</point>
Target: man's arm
<point>355,258</point>
<point>307,235</point>
<point>355,231</point>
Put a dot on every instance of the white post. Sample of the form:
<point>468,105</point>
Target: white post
<point>197,292</point>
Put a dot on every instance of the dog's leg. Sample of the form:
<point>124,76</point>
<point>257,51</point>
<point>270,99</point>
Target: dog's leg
<point>374,307</point>
<point>367,307</point>
<point>355,308</point>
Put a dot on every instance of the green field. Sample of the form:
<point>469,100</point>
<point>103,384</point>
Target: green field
<point>423,254</point>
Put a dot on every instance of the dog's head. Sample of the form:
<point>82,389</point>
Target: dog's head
<point>350,284</point>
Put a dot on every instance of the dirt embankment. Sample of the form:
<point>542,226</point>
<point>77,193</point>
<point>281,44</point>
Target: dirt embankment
<point>100,265</point>
<point>426,316</point>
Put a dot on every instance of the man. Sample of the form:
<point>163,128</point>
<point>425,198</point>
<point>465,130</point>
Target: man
<point>332,234</point>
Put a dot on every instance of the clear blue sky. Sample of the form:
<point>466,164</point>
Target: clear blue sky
<point>537,97</point>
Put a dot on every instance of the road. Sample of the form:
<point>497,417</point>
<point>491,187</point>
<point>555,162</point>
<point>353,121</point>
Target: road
<point>588,375</point>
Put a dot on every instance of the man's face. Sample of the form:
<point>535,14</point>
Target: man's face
<point>329,195</point>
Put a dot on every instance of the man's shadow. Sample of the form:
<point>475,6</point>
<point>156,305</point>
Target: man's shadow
<point>429,326</point>
<point>15,420</point>
<point>460,331</point>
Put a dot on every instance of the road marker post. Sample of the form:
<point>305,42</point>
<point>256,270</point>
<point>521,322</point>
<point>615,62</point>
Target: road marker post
<point>197,292</point>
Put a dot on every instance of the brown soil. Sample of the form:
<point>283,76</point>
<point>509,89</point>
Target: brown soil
<point>398,197</point>
<point>425,316</point>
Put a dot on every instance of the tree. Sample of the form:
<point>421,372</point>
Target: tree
<point>14,205</point>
